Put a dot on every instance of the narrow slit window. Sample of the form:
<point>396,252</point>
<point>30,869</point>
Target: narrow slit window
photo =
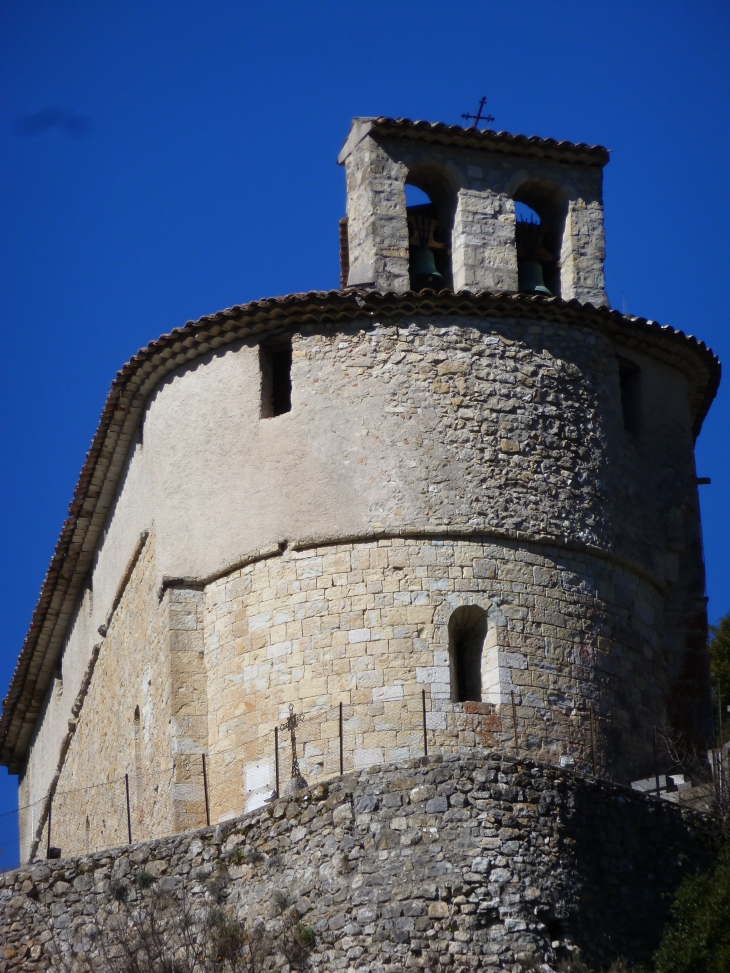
<point>629,375</point>
<point>467,631</point>
<point>276,363</point>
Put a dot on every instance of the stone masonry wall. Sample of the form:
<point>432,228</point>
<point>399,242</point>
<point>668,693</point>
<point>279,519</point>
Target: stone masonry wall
<point>471,862</point>
<point>366,625</point>
<point>376,211</point>
<point>497,449</point>
<point>512,424</point>
<point>484,248</point>
<point>132,672</point>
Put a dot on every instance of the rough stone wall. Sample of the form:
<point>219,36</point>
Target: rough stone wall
<point>189,699</point>
<point>484,251</point>
<point>376,219</point>
<point>470,862</point>
<point>509,424</point>
<point>132,671</point>
<point>583,253</point>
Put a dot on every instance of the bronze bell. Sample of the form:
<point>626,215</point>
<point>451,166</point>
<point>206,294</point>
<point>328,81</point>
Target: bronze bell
<point>424,270</point>
<point>530,278</point>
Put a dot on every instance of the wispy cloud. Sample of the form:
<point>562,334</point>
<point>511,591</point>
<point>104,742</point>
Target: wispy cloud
<point>67,121</point>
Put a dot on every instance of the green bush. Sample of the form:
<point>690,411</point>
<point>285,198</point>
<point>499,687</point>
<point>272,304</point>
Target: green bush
<point>697,939</point>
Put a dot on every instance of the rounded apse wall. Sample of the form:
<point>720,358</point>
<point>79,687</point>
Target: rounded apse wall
<point>498,423</point>
<point>500,451</point>
<point>368,625</point>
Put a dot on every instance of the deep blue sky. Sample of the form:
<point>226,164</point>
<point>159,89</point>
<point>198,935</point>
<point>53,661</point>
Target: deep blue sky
<point>191,166</point>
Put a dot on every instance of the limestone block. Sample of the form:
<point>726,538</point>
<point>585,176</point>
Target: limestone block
<point>368,757</point>
<point>388,693</point>
<point>376,219</point>
<point>484,252</point>
<point>583,253</point>
<point>433,675</point>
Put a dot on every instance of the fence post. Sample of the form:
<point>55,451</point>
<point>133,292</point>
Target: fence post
<point>342,753</point>
<point>129,813</point>
<point>593,741</point>
<point>205,792</point>
<point>425,735</point>
<point>48,843</point>
<point>656,767</point>
<point>276,757</point>
<point>720,767</point>
<point>719,709</point>
<point>514,723</point>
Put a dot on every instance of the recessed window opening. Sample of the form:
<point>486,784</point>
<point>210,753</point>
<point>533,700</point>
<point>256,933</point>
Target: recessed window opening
<point>467,631</point>
<point>275,361</point>
<point>58,676</point>
<point>539,224</point>
<point>629,375</point>
<point>429,211</point>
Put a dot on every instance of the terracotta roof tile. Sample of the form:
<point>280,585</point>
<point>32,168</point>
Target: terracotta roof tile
<point>489,140</point>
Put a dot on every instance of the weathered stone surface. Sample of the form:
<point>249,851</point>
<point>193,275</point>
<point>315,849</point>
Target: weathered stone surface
<point>473,192</point>
<point>485,464</point>
<point>484,254</point>
<point>530,863</point>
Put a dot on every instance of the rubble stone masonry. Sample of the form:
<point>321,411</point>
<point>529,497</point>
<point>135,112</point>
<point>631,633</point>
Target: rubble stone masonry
<point>471,861</point>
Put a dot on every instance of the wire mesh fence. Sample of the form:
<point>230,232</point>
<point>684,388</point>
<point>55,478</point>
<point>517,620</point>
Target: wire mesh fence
<point>267,757</point>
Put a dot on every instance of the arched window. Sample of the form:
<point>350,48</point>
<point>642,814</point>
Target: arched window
<point>467,631</point>
<point>540,211</point>
<point>430,206</point>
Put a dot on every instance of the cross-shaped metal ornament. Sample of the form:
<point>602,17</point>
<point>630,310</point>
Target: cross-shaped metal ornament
<point>479,117</point>
<point>291,723</point>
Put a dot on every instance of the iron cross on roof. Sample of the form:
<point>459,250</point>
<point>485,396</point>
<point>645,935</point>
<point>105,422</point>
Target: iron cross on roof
<point>479,117</point>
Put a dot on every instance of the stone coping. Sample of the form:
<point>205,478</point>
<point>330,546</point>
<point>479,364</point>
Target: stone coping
<point>134,383</point>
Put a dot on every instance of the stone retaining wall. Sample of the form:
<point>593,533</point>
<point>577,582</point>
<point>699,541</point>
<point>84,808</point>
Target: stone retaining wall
<point>464,862</point>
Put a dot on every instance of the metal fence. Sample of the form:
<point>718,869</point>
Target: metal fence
<point>269,758</point>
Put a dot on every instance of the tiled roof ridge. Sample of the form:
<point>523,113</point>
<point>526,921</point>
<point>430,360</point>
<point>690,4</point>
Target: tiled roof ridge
<point>487,138</point>
<point>134,382</point>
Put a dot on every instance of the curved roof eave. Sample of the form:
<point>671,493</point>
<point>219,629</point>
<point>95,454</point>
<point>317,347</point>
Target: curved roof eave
<point>133,384</point>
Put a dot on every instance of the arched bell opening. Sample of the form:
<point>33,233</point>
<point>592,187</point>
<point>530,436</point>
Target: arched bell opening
<point>467,632</point>
<point>540,211</point>
<point>430,208</point>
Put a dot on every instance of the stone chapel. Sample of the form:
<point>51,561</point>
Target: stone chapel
<point>457,492</point>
